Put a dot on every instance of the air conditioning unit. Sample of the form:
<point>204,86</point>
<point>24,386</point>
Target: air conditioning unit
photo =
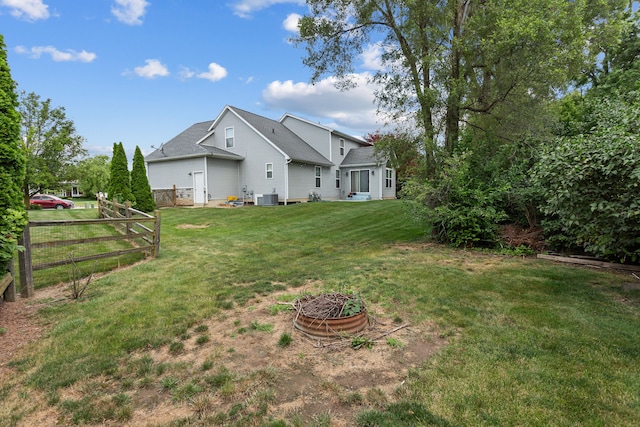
<point>270,199</point>
<point>258,199</point>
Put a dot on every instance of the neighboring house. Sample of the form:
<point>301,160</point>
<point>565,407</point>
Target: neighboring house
<point>253,158</point>
<point>69,189</point>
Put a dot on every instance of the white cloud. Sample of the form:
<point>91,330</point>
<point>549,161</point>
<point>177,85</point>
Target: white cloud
<point>216,72</point>
<point>69,55</point>
<point>291,23</point>
<point>153,69</point>
<point>186,73</point>
<point>372,57</point>
<point>353,109</point>
<point>129,11</point>
<point>245,8</point>
<point>29,10</point>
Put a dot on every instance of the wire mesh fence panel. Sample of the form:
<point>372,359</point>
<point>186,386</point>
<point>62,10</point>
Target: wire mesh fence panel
<point>64,249</point>
<point>54,247</point>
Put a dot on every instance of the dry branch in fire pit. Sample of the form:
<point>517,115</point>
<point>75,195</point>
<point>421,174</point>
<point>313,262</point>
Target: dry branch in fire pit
<point>329,306</point>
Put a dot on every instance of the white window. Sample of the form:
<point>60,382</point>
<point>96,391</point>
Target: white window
<point>318,177</point>
<point>342,147</point>
<point>337,178</point>
<point>269,170</point>
<point>388,181</point>
<point>228,137</point>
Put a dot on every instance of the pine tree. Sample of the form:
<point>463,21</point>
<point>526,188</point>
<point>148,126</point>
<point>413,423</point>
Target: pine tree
<point>120,180</point>
<point>140,184</point>
<point>12,163</point>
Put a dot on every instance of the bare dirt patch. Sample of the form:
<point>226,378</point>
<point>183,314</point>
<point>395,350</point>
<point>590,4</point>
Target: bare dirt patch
<point>306,380</point>
<point>19,323</point>
<point>515,235</point>
<point>311,376</point>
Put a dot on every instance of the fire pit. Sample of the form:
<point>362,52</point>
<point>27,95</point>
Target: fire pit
<point>330,315</point>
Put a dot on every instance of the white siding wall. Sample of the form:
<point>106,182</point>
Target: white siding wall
<point>164,175</point>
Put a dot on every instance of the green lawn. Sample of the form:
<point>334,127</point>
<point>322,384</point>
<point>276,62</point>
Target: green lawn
<point>529,342</point>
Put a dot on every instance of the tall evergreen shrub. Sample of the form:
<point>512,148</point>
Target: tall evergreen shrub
<point>140,184</point>
<point>120,180</point>
<point>12,164</point>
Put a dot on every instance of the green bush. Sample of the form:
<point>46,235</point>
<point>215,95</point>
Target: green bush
<point>591,184</point>
<point>454,207</point>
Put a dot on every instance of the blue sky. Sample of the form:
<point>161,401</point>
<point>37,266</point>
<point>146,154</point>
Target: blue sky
<point>142,71</point>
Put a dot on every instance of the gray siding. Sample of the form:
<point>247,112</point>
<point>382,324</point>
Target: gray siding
<point>377,188</point>
<point>315,136</point>
<point>222,178</point>
<point>167,174</point>
<point>302,182</point>
<point>328,144</point>
<point>257,153</point>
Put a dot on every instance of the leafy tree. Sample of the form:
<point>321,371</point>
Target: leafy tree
<point>120,180</point>
<point>400,150</point>
<point>446,64</point>
<point>140,184</point>
<point>93,175</point>
<point>614,54</point>
<point>51,144</point>
<point>12,164</point>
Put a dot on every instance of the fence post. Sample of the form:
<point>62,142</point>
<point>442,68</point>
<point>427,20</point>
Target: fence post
<point>127,214</point>
<point>8,293</point>
<point>175,196</point>
<point>156,239</point>
<point>24,262</point>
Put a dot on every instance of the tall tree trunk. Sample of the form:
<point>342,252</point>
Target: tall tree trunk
<point>452,118</point>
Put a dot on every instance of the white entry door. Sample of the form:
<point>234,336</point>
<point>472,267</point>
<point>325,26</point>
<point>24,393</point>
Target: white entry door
<point>198,188</point>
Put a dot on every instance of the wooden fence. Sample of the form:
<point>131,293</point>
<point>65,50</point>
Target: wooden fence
<point>139,230</point>
<point>171,197</point>
<point>7,286</point>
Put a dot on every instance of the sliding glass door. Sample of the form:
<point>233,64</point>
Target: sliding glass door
<point>360,181</point>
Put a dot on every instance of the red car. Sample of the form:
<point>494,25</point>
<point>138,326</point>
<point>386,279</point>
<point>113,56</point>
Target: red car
<point>53,202</point>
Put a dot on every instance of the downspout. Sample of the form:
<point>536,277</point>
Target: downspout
<point>380,170</point>
<point>206,183</point>
<point>286,179</point>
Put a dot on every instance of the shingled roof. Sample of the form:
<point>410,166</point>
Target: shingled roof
<point>186,145</point>
<point>283,138</point>
<point>363,156</point>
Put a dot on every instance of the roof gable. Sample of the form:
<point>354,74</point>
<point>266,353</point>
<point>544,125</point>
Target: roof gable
<point>279,136</point>
<point>187,144</point>
<point>326,128</point>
